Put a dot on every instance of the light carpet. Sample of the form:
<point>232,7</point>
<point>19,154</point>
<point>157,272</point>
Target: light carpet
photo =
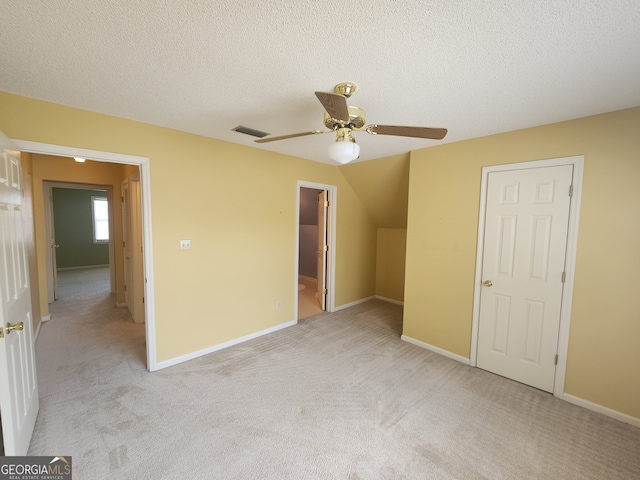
<point>338,396</point>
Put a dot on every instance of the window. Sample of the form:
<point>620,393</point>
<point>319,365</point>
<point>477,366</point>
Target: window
<point>100,209</point>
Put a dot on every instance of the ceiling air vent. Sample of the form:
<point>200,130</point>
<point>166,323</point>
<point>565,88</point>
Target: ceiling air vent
<point>250,131</point>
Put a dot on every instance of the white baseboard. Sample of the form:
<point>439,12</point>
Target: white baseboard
<point>389,300</point>
<point>215,348</point>
<point>352,304</point>
<point>623,417</point>
<point>46,318</point>
<point>437,350</point>
<point>121,305</point>
<point>82,267</point>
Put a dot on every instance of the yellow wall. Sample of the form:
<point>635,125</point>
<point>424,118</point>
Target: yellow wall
<point>237,204</point>
<point>444,189</point>
<point>390,261</point>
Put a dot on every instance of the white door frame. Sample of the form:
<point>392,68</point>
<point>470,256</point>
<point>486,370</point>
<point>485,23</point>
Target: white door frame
<point>331,236</point>
<point>145,187</point>
<point>572,241</point>
<point>49,220</point>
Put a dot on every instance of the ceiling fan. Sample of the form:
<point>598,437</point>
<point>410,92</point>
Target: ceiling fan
<point>344,120</point>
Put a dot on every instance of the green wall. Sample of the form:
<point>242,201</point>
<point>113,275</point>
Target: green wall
<point>74,230</point>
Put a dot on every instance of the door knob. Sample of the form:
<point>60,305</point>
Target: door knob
<point>487,283</point>
<point>17,326</point>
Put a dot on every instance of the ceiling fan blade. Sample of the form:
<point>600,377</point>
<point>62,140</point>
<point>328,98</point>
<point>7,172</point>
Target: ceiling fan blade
<point>292,135</point>
<point>335,105</point>
<point>418,132</point>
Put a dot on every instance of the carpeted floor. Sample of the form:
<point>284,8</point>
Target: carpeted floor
<point>338,396</point>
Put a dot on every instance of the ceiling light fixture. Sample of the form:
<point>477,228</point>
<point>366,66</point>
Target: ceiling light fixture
<point>79,159</point>
<point>344,149</point>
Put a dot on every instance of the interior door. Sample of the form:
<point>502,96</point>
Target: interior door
<point>138,264</point>
<point>323,206</point>
<point>18,380</point>
<point>127,237</point>
<point>526,222</point>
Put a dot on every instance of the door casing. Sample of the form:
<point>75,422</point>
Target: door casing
<point>572,241</point>
<point>331,236</point>
<point>145,187</point>
<point>50,221</point>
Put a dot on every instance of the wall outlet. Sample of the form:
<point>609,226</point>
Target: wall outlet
<point>278,305</point>
<point>185,244</point>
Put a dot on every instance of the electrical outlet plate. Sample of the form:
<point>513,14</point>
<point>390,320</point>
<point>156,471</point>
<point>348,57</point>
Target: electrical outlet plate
<point>185,244</point>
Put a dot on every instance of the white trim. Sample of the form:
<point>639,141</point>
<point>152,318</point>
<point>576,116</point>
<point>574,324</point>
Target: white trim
<point>331,254</point>
<point>389,300</point>
<point>145,187</point>
<point>66,151</point>
<point>570,258</point>
<point>45,318</point>
<point>439,351</point>
<point>353,304</point>
<point>623,417</point>
<point>215,348</point>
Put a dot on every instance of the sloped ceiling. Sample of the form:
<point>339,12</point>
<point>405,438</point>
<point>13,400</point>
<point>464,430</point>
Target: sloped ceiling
<point>382,185</point>
<point>476,67</point>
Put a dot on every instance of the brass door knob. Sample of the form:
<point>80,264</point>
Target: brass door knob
<point>487,283</point>
<point>17,326</point>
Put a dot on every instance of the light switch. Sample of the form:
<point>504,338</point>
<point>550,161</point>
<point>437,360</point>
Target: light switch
<point>185,244</point>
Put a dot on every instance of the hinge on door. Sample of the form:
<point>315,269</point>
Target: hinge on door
<point>571,190</point>
<point>325,248</point>
<point>1,333</point>
<point>555,362</point>
<point>564,277</point>
<point>325,291</point>
<point>326,204</point>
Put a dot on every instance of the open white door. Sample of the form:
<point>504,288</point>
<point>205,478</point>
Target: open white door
<point>132,234</point>
<point>127,243</point>
<point>137,250</point>
<point>18,380</point>
<point>323,206</point>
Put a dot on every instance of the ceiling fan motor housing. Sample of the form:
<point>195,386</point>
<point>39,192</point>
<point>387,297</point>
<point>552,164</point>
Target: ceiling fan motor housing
<point>356,119</point>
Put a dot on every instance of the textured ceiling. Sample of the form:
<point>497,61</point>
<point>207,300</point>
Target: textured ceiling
<point>205,66</point>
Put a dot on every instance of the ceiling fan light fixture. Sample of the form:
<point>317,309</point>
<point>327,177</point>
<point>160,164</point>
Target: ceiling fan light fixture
<point>344,150</point>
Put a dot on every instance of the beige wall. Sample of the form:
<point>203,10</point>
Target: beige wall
<point>236,204</point>
<point>383,187</point>
<point>390,261</point>
<point>604,352</point>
